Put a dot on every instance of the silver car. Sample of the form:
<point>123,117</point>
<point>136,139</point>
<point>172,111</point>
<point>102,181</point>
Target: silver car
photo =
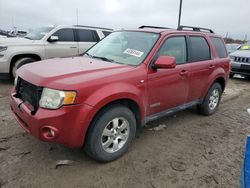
<point>241,61</point>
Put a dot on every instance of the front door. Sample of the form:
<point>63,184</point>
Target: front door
<point>66,46</point>
<point>168,88</point>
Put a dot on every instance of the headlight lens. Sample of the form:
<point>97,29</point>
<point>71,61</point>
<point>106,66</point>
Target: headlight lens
<point>54,99</point>
<point>3,48</point>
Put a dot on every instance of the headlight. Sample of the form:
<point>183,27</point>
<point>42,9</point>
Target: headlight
<point>54,99</point>
<point>232,58</point>
<point>3,48</point>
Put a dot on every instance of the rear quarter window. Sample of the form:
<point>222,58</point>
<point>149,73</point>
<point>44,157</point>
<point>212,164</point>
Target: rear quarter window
<point>200,50</point>
<point>219,46</point>
<point>106,33</point>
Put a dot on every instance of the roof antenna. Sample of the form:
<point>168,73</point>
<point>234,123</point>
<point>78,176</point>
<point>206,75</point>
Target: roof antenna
<point>76,16</point>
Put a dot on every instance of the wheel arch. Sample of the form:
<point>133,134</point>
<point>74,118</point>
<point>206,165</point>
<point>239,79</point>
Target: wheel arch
<point>130,103</point>
<point>221,80</point>
<point>26,55</point>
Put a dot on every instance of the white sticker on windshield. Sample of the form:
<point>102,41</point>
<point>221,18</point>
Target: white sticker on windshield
<point>132,52</point>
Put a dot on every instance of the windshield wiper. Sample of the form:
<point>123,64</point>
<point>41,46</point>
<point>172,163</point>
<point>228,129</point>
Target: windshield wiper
<point>103,58</point>
<point>88,54</point>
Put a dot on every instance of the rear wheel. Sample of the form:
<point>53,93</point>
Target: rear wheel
<point>111,133</point>
<point>211,101</point>
<point>20,62</point>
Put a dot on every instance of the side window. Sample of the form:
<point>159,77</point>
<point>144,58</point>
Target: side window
<point>87,35</point>
<point>65,35</point>
<point>219,46</point>
<point>200,50</point>
<point>175,46</point>
<point>106,33</point>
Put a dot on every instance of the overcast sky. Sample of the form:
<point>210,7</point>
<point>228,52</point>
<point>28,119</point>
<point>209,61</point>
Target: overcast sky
<point>222,16</point>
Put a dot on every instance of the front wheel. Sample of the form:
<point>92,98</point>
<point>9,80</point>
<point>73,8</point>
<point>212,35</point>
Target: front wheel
<point>211,101</point>
<point>20,62</point>
<point>111,133</point>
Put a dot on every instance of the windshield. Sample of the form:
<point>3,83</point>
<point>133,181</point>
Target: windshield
<point>39,33</point>
<point>125,47</point>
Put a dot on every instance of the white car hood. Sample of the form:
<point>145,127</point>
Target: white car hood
<point>17,41</point>
<point>241,53</point>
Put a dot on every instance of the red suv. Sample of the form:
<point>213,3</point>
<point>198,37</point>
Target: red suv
<point>129,78</point>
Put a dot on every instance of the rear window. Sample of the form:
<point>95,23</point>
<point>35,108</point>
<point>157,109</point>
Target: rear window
<point>87,35</point>
<point>106,33</point>
<point>219,46</point>
<point>200,50</point>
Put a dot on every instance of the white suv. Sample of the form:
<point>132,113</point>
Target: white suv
<point>45,43</point>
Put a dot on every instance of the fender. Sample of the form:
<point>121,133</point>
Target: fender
<point>217,73</point>
<point>115,91</point>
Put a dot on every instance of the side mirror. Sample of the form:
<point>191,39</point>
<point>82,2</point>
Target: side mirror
<point>53,38</point>
<point>165,62</point>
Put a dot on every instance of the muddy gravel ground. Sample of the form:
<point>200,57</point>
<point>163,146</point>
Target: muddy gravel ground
<point>183,150</point>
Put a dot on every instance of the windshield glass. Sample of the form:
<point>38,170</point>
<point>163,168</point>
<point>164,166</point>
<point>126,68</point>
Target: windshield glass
<point>39,33</point>
<point>245,47</point>
<point>125,47</point>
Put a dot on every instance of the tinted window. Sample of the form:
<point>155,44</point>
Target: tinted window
<point>199,49</point>
<point>175,46</point>
<point>87,35</point>
<point>66,35</point>
<point>219,46</point>
<point>106,33</point>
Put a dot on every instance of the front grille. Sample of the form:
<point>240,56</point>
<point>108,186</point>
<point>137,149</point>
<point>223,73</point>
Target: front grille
<point>241,70</point>
<point>242,59</point>
<point>28,92</point>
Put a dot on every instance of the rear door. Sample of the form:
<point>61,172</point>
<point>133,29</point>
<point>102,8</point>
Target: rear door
<point>201,66</point>
<point>168,88</point>
<point>86,39</point>
<point>66,45</point>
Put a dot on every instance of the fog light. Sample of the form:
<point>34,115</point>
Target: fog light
<point>52,133</point>
<point>49,132</point>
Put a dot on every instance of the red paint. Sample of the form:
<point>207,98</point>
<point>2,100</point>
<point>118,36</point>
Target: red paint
<point>99,83</point>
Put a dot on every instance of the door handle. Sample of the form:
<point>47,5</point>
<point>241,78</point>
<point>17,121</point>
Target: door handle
<point>184,73</point>
<point>73,47</point>
<point>211,66</point>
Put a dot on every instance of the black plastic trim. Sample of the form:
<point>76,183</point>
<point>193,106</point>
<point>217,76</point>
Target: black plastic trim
<point>170,111</point>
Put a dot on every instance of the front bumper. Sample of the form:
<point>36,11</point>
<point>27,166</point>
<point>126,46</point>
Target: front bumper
<point>4,65</point>
<point>240,68</point>
<point>69,122</point>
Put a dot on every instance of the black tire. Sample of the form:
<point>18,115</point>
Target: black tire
<point>94,141</point>
<point>247,77</point>
<point>205,108</point>
<point>231,75</point>
<point>20,62</point>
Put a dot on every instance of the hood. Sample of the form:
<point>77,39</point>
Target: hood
<point>14,41</point>
<point>241,53</point>
<point>60,73</point>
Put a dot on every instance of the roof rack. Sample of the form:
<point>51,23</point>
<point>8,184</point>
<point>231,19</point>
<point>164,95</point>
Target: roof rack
<point>155,27</point>
<point>200,29</point>
<point>92,27</point>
